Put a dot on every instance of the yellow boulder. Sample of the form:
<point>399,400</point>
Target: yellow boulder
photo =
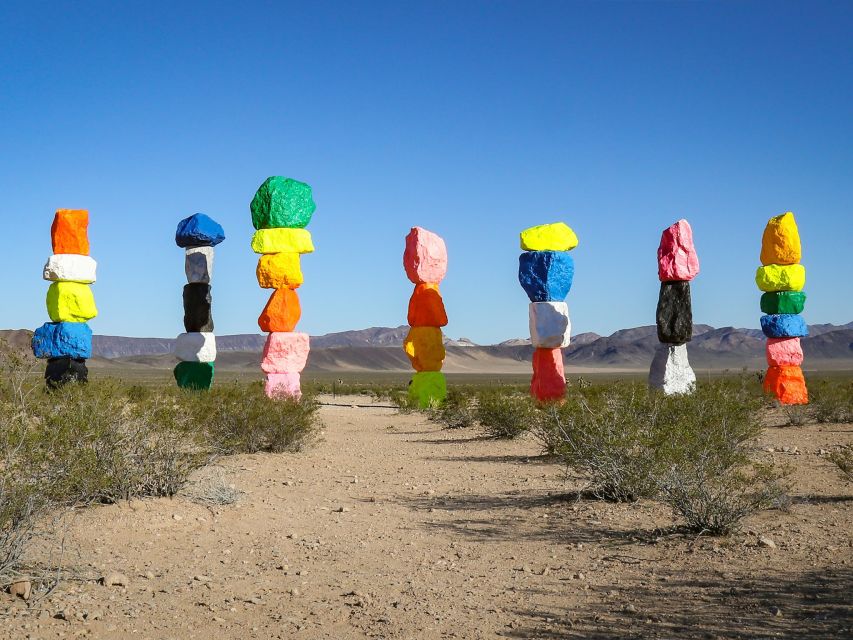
<point>279,271</point>
<point>70,302</point>
<point>425,348</point>
<point>781,277</point>
<point>557,236</point>
<point>780,243</point>
<point>282,240</point>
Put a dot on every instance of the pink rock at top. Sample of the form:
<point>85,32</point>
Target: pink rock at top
<point>677,259</point>
<point>784,352</point>
<point>425,257</point>
<point>283,385</point>
<point>285,352</point>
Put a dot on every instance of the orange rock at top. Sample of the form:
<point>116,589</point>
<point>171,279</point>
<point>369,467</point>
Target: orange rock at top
<point>281,313</point>
<point>787,384</point>
<point>426,308</point>
<point>68,233</point>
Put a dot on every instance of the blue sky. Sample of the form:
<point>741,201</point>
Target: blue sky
<point>474,120</point>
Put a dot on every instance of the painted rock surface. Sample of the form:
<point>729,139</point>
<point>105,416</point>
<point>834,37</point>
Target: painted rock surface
<point>556,236</point>
<point>677,258</point>
<point>546,276</point>
<point>282,202</point>
<point>198,264</point>
<point>670,371</point>
<point>69,231</point>
<point>425,257</point>
<point>70,267</point>
<point>70,302</point>
<point>199,230</point>
<point>197,308</point>
<point>776,277</point>
<point>196,347</point>
<point>281,313</point>
<point>787,384</point>
<point>784,325</point>
<point>282,241</point>
<point>194,375</point>
<point>428,388</point>
<point>285,352</point>
<point>279,271</point>
<point>780,243</point>
<point>60,371</point>
<point>283,385</point>
<point>426,308</point>
<point>550,327</point>
<point>784,352</point>
<point>674,314</point>
<point>549,378</point>
<point>783,302</point>
<point>63,339</point>
<point>425,348</point>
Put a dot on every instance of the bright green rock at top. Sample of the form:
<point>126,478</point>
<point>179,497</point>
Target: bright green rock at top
<point>282,202</point>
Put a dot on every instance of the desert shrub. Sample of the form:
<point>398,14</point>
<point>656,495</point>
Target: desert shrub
<point>797,414</point>
<point>456,412</point>
<point>831,401</point>
<point>504,414</point>
<point>843,459</point>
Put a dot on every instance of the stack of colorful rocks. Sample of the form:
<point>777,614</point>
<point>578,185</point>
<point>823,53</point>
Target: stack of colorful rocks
<point>281,208</point>
<point>546,271</point>
<point>196,348</point>
<point>678,264</point>
<point>782,278</point>
<point>425,262</point>
<point>66,341</point>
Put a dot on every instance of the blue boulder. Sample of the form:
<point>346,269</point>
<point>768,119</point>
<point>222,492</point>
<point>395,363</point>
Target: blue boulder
<point>199,230</point>
<point>63,340</point>
<point>784,325</point>
<point>546,276</point>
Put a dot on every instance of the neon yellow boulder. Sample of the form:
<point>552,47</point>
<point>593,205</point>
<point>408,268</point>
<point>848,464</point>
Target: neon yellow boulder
<point>70,302</point>
<point>557,236</point>
<point>781,277</point>
<point>282,240</point>
<point>428,389</point>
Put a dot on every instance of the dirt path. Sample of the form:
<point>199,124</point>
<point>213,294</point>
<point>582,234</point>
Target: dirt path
<point>388,527</point>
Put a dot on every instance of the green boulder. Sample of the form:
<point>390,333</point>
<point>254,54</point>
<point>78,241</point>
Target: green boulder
<point>427,389</point>
<point>774,302</point>
<point>194,375</point>
<point>282,202</point>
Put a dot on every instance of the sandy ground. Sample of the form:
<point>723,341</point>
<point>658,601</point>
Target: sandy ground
<point>388,527</point>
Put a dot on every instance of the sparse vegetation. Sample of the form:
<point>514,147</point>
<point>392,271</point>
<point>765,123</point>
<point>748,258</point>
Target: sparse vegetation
<point>831,401</point>
<point>505,415</point>
<point>843,459</point>
<point>456,412</point>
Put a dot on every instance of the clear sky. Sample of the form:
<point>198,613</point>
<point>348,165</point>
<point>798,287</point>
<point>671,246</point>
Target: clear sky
<point>472,119</point>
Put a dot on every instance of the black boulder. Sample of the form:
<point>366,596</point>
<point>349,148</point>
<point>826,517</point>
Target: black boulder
<point>197,303</point>
<point>674,313</point>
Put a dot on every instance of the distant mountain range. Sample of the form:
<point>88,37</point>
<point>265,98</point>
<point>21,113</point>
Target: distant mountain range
<point>379,349</point>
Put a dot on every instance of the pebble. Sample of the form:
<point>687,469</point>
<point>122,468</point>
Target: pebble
<point>22,589</point>
<point>115,580</point>
<point>764,541</point>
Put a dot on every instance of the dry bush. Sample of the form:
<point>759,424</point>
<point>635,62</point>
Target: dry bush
<point>456,412</point>
<point>832,401</point>
<point>504,414</point>
<point>843,459</point>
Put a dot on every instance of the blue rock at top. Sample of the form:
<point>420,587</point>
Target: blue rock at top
<point>199,230</point>
<point>63,340</point>
<point>546,276</point>
<point>784,325</point>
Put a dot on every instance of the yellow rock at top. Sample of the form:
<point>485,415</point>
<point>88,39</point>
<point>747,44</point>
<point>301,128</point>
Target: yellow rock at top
<point>557,236</point>
<point>279,271</point>
<point>780,243</point>
<point>70,302</point>
<point>282,240</point>
<point>781,277</point>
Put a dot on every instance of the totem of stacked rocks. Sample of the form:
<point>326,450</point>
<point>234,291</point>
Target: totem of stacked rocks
<point>281,208</point>
<point>678,264</point>
<point>66,341</point>
<point>425,262</point>
<point>545,272</point>
<point>782,279</point>
<point>196,349</point>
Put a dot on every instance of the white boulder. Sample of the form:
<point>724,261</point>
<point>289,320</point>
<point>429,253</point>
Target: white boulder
<point>70,267</point>
<point>198,264</point>
<point>549,325</point>
<point>196,347</point>
<point>670,371</point>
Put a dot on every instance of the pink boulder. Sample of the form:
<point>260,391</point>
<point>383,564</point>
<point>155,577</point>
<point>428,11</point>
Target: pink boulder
<point>677,259</point>
<point>784,352</point>
<point>425,258</point>
<point>285,352</point>
<point>283,385</point>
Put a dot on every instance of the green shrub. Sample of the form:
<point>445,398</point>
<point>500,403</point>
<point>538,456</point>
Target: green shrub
<point>505,415</point>
<point>843,459</point>
<point>831,401</point>
<point>456,412</point>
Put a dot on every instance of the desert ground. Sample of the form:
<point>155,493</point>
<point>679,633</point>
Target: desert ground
<point>387,526</point>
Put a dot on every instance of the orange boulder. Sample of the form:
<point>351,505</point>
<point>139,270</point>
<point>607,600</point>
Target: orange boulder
<point>787,384</point>
<point>281,313</point>
<point>549,378</point>
<point>425,348</point>
<point>69,231</point>
<point>426,309</point>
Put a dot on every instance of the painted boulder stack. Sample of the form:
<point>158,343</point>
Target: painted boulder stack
<point>678,264</point>
<point>425,262</point>
<point>196,347</point>
<point>545,272</point>
<point>281,209</point>
<point>782,278</point>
